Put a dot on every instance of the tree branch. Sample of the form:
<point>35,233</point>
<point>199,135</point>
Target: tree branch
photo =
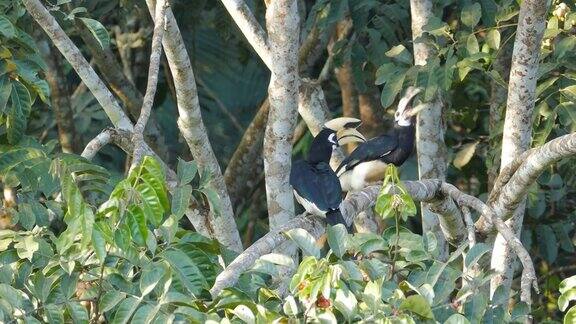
<point>153,70</point>
<point>517,134</point>
<point>79,63</point>
<point>250,28</point>
<point>194,132</point>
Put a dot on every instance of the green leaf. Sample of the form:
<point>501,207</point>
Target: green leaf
<point>418,305</point>
<point>471,14</point>
<point>569,92</point>
<point>305,241</point>
<point>345,302</point>
<point>6,27</point>
<point>137,223</point>
<point>213,199</point>
<point>565,299</point>
<point>567,284</point>
<point>181,200</point>
<point>542,86</point>
<point>472,44</point>
<point>98,31</point>
<point>186,171</point>
<point>146,313</point>
<point>337,239</point>
<point>465,155</point>
<point>11,295</point>
<point>151,275</point>
<point>5,90</point>
<point>54,313</point>
<point>78,312</point>
<point>18,112</point>
<point>400,54</point>
<point>125,310</point>
<point>99,244</point>
<point>185,271</point>
<point>392,87</point>
<point>475,253</point>
<point>26,246</point>
<point>548,244</point>
<point>290,307</point>
<point>493,39</point>
<point>506,13</point>
<point>110,299</point>
<point>457,319</point>
<point>564,46</point>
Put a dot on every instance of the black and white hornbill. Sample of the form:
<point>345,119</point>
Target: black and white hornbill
<point>369,160</point>
<point>316,185</point>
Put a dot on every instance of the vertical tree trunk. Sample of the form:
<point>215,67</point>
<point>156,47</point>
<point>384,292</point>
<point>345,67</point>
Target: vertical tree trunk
<point>282,22</point>
<point>518,122</point>
<point>430,130</point>
<point>60,97</point>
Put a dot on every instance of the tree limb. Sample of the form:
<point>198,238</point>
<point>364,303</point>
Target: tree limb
<point>194,132</point>
<point>517,134</point>
<point>79,63</point>
<point>153,70</point>
<point>250,28</point>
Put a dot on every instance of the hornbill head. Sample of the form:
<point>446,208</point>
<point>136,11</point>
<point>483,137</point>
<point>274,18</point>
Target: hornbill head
<point>405,112</point>
<point>345,130</point>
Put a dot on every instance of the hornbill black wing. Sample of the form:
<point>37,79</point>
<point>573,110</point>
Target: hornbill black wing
<point>374,149</point>
<point>317,184</point>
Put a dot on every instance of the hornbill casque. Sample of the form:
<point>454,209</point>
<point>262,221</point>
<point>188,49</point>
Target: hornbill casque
<point>369,160</point>
<point>316,185</point>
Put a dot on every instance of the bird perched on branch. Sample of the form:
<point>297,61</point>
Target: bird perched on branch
<point>369,160</point>
<point>316,185</point>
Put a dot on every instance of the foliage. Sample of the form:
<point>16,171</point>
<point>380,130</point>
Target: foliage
<point>568,294</point>
<point>85,240</point>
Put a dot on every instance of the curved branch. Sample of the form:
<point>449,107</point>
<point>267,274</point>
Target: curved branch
<point>423,190</point>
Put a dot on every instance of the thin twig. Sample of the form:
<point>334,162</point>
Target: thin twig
<point>156,53</point>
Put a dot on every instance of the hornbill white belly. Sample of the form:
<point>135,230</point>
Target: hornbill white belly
<point>368,161</point>
<point>316,186</point>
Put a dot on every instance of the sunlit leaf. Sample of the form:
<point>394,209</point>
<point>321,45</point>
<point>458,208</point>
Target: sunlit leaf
<point>98,31</point>
<point>471,14</point>
<point>304,240</point>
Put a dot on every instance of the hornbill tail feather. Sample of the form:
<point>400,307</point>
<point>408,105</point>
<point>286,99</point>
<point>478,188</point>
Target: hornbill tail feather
<point>334,217</point>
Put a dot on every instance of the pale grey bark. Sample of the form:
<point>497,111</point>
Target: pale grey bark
<point>423,190</point>
<point>223,226</point>
<point>96,144</point>
<point>283,26</point>
<point>79,63</point>
<point>518,122</point>
<point>250,28</point>
<point>430,129</point>
<point>153,70</point>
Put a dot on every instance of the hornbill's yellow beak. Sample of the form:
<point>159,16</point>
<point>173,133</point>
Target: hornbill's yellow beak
<point>405,104</point>
<point>345,128</point>
<point>346,136</point>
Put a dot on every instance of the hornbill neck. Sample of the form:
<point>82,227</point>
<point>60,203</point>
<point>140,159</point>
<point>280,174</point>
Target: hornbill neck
<point>406,135</point>
<point>321,148</point>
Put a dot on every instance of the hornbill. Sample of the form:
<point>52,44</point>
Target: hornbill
<point>369,159</point>
<point>316,185</point>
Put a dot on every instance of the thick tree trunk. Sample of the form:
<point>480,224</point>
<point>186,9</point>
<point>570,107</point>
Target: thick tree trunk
<point>430,129</point>
<point>518,122</point>
<point>60,97</point>
<point>194,132</point>
<point>283,26</point>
